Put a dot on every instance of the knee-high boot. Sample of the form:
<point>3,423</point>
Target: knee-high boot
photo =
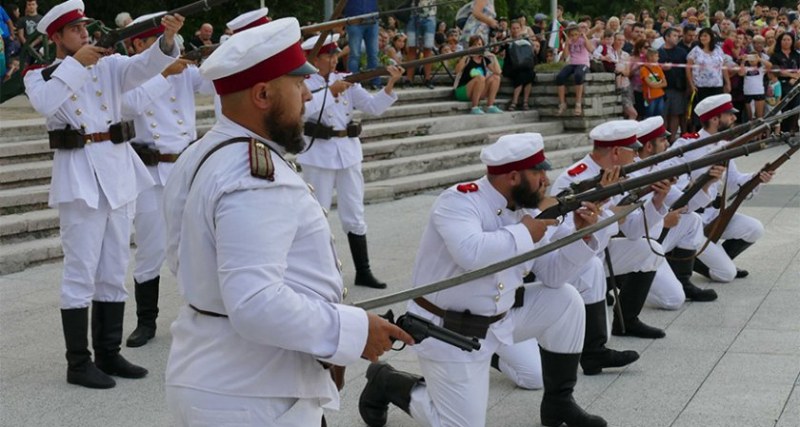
<point>385,385</point>
<point>106,339</point>
<point>734,247</point>
<point>146,312</point>
<point>632,298</point>
<point>80,368</point>
<point>358,248</point>
<point>682,263</point>
<point>560,374</point>
<point>596,355</point>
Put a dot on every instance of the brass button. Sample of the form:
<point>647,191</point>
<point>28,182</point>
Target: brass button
<point>149,112</point>
<point>88,141</point>
<point>497,297</point>
<point>99,93</point>
<point>78,111</point>
<point>94,78</point>
<point>500,286</point>
<point>103,107</point>
<point>74,97</point>
<point>499,212</point>
<point>156,136</point>
<point>172,98</point>
<point>345,291</point>
<point>153,125</point>
<point>180,122</point>
<point>345,102</point>
<point>175,110</point>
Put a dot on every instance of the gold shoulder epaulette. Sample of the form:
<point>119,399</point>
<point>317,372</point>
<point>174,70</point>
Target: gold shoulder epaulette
<point>261,165</point>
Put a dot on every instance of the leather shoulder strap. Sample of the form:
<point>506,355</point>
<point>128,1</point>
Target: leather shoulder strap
<point>219,146</point>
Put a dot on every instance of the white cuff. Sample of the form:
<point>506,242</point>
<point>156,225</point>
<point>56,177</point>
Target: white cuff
<point>353,332</point>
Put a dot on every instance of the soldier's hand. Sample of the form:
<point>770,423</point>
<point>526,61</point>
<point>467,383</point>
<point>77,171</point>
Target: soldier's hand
<point>586,216</point>
<point>672,218</point>
<point>339,86</point>
<point>395,72</point>
<point>660,191</point>
<point>537,227</point>
<point>380,335</point>
<point>765,176</point>
<point>716,173</point>
<point>89,55</point>
<point>172,24</point>
<point>176,67</point>
<point>610,176</point>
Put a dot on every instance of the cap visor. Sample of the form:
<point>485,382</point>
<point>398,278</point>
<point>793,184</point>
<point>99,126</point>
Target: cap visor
<point>635,146</point>
<point>303,70</point>
<point>544,166</point>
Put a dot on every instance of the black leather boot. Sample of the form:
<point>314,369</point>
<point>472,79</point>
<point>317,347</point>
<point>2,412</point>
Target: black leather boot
<point>596,355</point>
<point>734,247</point>
<point>106,339</point>
<point>385,385</point>
<point>80,369</point>
<point>358,248</point>
<point>146,312</point>
<point>701,268</point>
<point>632,298</point>
<point>559,374</point>
<point>682,263</point>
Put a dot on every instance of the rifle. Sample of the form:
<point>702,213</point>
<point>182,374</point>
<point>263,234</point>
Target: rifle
<point>420,329</point>
<point>753,127</point>
<point>364,18</point>
<point>338,10</point>
<point>567,204</point>
<point>714,229</point>
<point>113,37</point>
<point>201,53</point>
<point>383,71</point>
<point>704,179</point>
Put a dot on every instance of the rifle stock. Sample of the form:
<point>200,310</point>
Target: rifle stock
<point>570,203</point>
<point>714,229</point>
<point>200,53</point>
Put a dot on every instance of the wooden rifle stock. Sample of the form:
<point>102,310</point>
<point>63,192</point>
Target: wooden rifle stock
<point>200,53</point>
<point>337,11</point>
<point>570,203</point>
<point>714,229</point>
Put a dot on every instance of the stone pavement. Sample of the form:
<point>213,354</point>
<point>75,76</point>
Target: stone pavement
<point>733,362</point>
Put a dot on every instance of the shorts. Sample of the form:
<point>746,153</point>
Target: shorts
<point>570,69</point>
<point>748,98</point>
<point>461,93</point>
<point>427,28</point>
<point>626,96</point>
<point>675,102</point>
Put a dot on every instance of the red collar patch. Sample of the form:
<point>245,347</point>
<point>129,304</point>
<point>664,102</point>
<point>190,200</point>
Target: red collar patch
<point>688,135</point>
<point>578,169</point>
<point>467,188</point>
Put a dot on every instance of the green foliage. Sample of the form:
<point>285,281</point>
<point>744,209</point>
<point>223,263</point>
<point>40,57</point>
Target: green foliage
<point>551,67</point>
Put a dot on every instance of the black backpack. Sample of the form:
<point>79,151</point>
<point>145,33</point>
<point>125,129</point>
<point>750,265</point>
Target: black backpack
<point>521,56</point>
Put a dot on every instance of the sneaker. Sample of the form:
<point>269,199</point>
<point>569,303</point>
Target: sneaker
<point>476,110</point>
<point>493,110</point>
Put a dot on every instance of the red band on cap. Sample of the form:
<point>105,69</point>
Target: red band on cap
<point>716,111</point>
<point>328,48</point>
<point>260,21</point>
<point>526,163</point>
<point>63,20</point>
<point>155,32</point>
<point>659,131</point>
<point>616,142</point>
<point>266,70</point>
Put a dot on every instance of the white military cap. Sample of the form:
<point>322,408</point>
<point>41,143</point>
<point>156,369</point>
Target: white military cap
<point>248,20</point>
<point>714,106</point>
<point>652,128</point>
<point>514,152</point>
<point>329,46</point>
<point>260,54</point>
<point>616,133</point>
<point>149,33</point>
<point>61,15</point>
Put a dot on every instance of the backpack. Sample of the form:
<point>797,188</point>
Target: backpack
<point>463,14</point>
<point>521,56</point>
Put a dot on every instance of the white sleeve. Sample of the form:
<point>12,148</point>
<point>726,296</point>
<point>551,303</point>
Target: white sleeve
<point>372,104</point>
<point>46,97</point>
<point>136,101</point>
<point>251,264</point>
<point>135,70</point>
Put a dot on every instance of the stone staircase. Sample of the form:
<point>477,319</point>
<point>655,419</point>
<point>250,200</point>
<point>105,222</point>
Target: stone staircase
<point>425,141</point>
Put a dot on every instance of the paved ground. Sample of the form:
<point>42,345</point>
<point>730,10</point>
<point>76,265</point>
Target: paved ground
<point>734,362</point>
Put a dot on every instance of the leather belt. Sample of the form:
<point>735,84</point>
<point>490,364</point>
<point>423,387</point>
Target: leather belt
<point>207,313</point>
<point>464,322</point>
<point>69,138</point>
<point>151,156</point>
<point>318,130</point>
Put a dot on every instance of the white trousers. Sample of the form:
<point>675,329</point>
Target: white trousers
<point>195,408</point>
<point>667,292</point>
<point>150,234</point>
<point>456,393</point>
<point>96,244</point>
<point>349,185</point>
<point>629,256</point>
<point>720,266</point>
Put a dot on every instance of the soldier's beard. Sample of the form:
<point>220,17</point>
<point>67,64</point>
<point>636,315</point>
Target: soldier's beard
<point>524,197</point>
<point>287,135</point>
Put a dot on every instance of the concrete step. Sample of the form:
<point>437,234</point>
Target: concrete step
<point>21,255</point>
<point>398,187</point>
<point>28,173</point>
<point>25,151</point>
<point>23,199</point>
<point>28,226</point>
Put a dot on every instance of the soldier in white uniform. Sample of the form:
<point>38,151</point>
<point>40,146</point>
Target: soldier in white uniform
<point>333,158</point>
<point>254,255</point>
<point>672,284</point>
<point>634,262</point>
<point>717,114</point>
<point>243,22</point>
<point>96,179</point>
<point>473,225</point>
<point>163,113</point>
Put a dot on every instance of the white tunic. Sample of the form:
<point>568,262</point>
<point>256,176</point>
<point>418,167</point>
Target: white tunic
<point>163,112</point>
<point>261,252</point>
<point>467,231</point>
<point>91,98</point>
<point>339,153</point>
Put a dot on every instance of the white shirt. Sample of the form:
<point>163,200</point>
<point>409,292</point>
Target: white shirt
<point>467,231</point>
<point>339,153</point>
<point>91,98</point>
<point>163,112</point>
<point>261,252</point>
